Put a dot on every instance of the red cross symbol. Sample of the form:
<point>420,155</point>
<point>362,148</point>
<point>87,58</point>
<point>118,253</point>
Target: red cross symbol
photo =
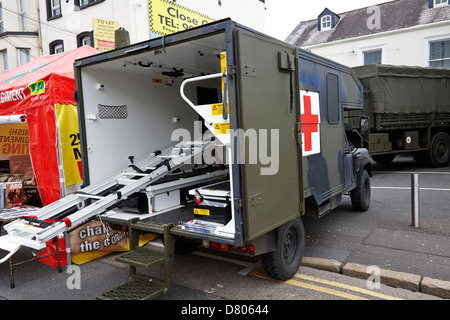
<point>310,123</point>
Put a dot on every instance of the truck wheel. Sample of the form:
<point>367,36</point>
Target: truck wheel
<point>439,153</point>
<point>384,158</point>
<point>284,263</point>
<point>360,196</point>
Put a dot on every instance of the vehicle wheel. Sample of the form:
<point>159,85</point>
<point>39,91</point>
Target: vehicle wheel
<point>384,158</point>
<point>439,153</point>
<point>284,263</point>
<point>360,196</point>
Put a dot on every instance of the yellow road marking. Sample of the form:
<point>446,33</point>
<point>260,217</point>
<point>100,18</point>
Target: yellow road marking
<point>261,274</point>
<point>346,286</point>
<point>324,290</point>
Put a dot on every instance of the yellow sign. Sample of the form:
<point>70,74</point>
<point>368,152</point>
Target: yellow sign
<point>14,139</point>
<point>217,109</point>
<point>222,128</point>
<point>37,87</point>
<point>104,34</point>
<point>67,117</point>
<point>167,17</point>
<point>201,212</point>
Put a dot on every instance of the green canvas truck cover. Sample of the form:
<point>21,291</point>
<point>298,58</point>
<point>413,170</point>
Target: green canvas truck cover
<point>405,89</point>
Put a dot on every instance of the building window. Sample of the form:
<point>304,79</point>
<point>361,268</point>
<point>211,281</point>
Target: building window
<point>5,61</point>
<point>440,54</point>
<point>327,20</point>
<point>24,56</point>
<point>373,57</point>
<point>85,39</point>
<point>56,46</point>
<point>439,3</point>
<point>53,9</point>
<point>326,23</point>
<point>2,26</point>
<point>23,14</point>
<point>86,3</point>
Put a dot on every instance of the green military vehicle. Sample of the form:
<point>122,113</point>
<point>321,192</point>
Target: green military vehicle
<point>409,112</point>
<point>216,136</point>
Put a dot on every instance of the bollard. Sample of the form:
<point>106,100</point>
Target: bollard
<point>415,203</point>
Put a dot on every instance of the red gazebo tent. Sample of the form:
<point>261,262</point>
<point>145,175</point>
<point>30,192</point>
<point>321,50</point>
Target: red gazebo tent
<point>43,91</point>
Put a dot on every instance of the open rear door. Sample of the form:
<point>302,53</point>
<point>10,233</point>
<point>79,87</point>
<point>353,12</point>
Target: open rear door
<point>268,111</point>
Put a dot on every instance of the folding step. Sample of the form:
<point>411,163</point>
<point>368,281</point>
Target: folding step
<point>135,288</point>
<point>138,288</point>
<point>142,257</point>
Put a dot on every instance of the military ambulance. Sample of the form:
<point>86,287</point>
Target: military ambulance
<point>217,136</point>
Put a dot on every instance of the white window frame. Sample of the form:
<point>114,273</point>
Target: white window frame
<point>324,23</point>
<point>26,51</point>
<point>86,40</point>
<point>55,7</point>
<point>363,50</point>
<point>2,24</point>
<point>23,15</point>
<point>441,4</point>
<point>427,44</point>
<point>5,60</point>
<point>58,48</point>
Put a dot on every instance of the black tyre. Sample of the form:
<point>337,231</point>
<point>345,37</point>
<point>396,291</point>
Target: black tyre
<point>439,153</point>
<point>360,196</point>
<point>384,158</point>
<point>284,263</point>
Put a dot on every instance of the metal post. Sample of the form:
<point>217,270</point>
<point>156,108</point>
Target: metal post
<point>415,203</point>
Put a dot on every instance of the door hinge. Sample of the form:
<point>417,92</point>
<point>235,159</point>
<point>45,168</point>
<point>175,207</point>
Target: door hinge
<point>249,71</point>
<point>231,69</point>
<point>297,131</point>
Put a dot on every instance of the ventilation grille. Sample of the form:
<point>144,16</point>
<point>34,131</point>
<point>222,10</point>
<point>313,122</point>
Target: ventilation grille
<point>112,112</point>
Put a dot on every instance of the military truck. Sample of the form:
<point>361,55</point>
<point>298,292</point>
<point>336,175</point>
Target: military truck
<point>409,112</point>
<point>217,136</point>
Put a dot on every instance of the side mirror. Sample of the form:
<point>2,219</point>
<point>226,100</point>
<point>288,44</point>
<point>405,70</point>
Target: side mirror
<point>364,126</point>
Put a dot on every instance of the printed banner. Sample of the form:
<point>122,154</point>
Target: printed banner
<point>104,34</point>
<point>67,116</point>
<point>167,17</point>
<point>14,139</point>
<point>96,239</point>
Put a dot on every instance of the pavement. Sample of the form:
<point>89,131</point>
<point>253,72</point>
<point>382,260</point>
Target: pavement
<point>404,280</point>
<point>384,238</point>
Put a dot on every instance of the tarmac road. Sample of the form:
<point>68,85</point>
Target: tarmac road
<point>384,235</point>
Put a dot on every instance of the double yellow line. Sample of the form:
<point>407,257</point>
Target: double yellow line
<point>296,282</point>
